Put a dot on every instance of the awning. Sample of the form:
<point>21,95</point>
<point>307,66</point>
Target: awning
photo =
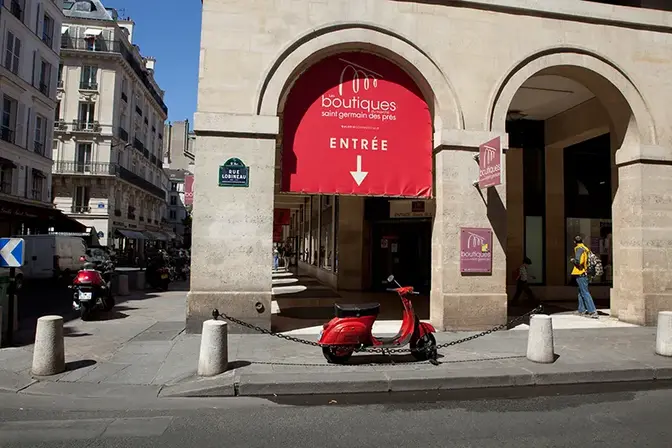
<point>64,29</point>
<point>156,235</point>
<point>171,235</point>
<point>132,234</point>
<point>92,32</point>
<point>7,162</point>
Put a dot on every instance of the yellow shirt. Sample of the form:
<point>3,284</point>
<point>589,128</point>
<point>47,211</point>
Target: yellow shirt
<point>581,256</point>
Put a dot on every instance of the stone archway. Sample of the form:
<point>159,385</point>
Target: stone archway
<point>639,285</point>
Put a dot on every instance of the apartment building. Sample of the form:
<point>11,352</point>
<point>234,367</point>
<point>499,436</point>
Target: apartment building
<point>108,167</point>
<point>28,66</point>
<point>178,146</point>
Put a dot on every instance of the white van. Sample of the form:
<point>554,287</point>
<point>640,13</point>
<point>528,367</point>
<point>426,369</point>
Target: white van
<point>51,256</point>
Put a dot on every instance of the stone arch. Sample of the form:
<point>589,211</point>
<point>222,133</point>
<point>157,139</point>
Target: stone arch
<point>600,75</point>
<point>338,37</point>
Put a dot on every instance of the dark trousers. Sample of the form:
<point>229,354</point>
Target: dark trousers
<point>523,287</point>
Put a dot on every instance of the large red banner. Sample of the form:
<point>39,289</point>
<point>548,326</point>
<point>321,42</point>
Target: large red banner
<point>188,190</point>
<point>355,123</point>
<point>282,216</point>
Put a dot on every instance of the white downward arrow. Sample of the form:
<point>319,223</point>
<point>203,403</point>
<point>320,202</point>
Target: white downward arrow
<point>359,175</point>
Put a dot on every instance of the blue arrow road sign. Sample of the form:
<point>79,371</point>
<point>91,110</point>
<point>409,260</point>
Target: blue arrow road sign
<point>11,252</point>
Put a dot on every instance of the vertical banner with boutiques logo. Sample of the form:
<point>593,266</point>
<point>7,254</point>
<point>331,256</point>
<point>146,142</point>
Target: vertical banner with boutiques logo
<point>475,250</point>
<point>356,123</point>
<point>490,163</point>
<point>188,190</point>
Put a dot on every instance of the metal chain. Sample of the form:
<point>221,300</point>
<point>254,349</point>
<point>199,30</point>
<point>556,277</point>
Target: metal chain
<point>385,351</point>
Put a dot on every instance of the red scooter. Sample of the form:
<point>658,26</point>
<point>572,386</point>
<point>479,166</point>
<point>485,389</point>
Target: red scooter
<point>351,330</point>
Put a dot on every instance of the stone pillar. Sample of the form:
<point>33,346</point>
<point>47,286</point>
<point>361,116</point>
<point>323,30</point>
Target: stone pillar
<point>466,302</point>
<point>642,238</point>
<point>231,261</point>
<point>350,242</point>
<point>556,251</point>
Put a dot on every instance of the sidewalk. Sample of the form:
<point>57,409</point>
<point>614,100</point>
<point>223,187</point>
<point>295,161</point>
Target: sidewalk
<point>140,349</point>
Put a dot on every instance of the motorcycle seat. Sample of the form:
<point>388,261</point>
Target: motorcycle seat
<point>357,310</point>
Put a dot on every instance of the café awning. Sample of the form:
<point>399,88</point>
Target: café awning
<point>131,234</point>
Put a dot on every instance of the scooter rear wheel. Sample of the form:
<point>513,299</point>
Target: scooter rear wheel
<point>337,355</point>
<point>424,348</point>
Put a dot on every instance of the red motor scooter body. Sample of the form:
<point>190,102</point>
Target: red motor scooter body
<point>353,324</point>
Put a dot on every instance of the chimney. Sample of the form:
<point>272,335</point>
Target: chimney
<point>150,62</point>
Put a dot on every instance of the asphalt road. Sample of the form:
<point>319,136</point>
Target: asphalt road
<point>611,419</point>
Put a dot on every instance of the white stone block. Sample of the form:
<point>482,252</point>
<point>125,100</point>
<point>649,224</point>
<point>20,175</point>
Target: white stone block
<point>122,285</point>
<point>140,280</point>
<point>214,354</point>
<point>664,334</point>
<point>540,339</point>
<point>49,350</point>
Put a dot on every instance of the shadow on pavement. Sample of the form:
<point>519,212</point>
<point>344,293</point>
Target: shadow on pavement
<point>75,365</point>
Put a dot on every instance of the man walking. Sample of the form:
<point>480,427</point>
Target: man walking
<point>580,274</point>
<point>522,285</point>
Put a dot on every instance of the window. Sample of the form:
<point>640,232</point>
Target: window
<point>173,200</point>
<point>48,30</point>
<point>81,200</point>
<point>40,134</point>
<point>89,78</point>
<point>12,53</point>
<point>7,127</point>
<point>6,177</point>
<point>173,186</point>
<point>124,89</point>
<point>38,185</point>
<point>87,113</point>
<point>45,77</point>
<point>16,8</point>
<point>57,111</point>
<point>60,75</point>
<point>83,158</point>
<point>173,215</point>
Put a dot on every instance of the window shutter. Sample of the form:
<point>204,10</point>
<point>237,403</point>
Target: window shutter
<point>38,28</point>
<point>20,125</point>
<point>35,78</point>
<point>30,132</point>
<point>17,55</point>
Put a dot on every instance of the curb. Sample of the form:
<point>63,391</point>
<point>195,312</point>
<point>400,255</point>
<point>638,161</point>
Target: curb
<point>241,384</point>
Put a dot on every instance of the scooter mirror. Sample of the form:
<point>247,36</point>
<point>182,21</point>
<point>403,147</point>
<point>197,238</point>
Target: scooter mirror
<point>390,279</point>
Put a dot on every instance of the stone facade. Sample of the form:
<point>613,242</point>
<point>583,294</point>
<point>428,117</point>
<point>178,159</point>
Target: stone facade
<point>469,61</point>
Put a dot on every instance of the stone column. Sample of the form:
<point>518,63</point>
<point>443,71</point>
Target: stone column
<point>642,238</point>
<point>466,302</point>
<point>232,227</point>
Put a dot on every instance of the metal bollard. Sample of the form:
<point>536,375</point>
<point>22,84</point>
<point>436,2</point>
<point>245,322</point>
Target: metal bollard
<point>49,350</point>
<point>540,339</point>
<point>664,334</point>
<point>122,285</point>
<point>214,354</point>
<point>140,280</point>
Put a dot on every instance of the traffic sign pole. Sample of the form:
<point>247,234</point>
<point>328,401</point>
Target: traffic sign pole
<point>10,306</point>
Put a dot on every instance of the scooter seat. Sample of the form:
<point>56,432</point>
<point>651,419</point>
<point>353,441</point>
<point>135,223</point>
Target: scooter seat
<point>358,310</point>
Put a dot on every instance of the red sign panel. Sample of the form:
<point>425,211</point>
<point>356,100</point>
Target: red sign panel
<point>490,163</point>
<point>282,216</point>
<point>277,233</point>
<point>355,123</point>
<point>188,190</point>
<point>475,250</point>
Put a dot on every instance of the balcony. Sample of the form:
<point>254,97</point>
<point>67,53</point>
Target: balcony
<point>123,134</point>
<point>120,48</point>
<point>38,148</point>
<point>80,209</point>
<point>139,182</point>
<point>60,125</point>
<point>88,85</point>
<point>7,134</point>
<point>85,126</point>
<point>76,167</point>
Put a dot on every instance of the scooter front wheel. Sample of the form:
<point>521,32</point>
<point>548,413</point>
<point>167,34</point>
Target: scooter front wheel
<point>336,355</point>
<point>424,348</point>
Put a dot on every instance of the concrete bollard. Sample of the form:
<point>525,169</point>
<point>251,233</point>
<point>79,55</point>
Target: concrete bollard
<point>664,334</point>
<point>49,350</point>
<point>140,280</point>
<point>214,355</point>
<point>122,285</point>
<point>540,339</point>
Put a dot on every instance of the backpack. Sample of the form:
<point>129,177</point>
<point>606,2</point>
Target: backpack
<point>594,268</point>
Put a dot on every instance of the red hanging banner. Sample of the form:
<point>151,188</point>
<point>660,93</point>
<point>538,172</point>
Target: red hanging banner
<point>282,216</point>
<point>355,123</point>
